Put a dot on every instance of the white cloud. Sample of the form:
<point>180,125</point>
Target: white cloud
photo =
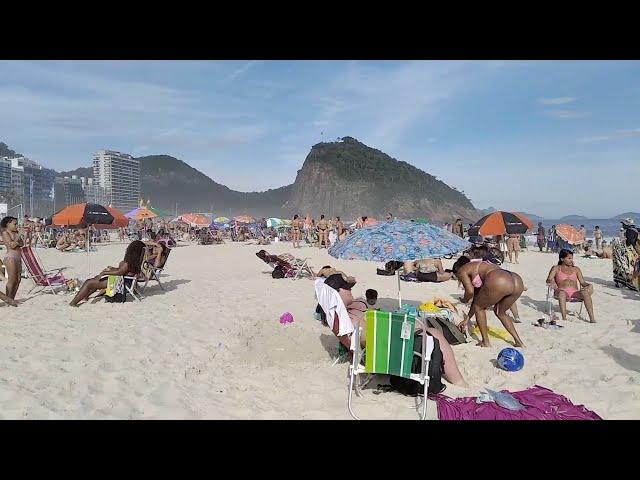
<point>567,114</point>
<point>241,70</point>
<point>556,101</point>
<point>380,105</point>
<point>619,135</point>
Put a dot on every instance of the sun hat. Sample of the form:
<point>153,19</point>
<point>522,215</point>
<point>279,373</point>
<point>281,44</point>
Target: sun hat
<point>627,221</point>
<point>340,280</point>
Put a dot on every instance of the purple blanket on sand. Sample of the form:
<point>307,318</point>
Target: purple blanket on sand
<point>541,404</point>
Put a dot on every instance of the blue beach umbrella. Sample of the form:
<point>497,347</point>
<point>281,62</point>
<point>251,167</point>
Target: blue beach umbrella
<point>398,240</point>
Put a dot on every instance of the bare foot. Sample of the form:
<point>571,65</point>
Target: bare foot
<point>592,321</point>
<point>11,302</point>
<point>483,344</point>
<point>518,344</point>
<point>73,304</point>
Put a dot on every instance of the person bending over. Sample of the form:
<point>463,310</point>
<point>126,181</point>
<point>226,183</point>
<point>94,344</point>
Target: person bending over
<point>130,266</point>
<point>564,278</point>
<point>489,286</point>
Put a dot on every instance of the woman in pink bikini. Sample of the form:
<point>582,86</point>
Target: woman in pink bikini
<point>489,286</point>
<point>564,278</point>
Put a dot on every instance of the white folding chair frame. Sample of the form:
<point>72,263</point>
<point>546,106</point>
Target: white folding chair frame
<point>356,369</point>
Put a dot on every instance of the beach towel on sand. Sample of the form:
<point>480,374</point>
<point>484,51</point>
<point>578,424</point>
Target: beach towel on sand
<point>540,404</point>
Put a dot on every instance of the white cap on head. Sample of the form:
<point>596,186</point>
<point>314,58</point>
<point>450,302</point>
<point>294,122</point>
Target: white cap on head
<point>627,221</point>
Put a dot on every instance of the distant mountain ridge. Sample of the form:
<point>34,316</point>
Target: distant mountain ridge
<point>345,178</point>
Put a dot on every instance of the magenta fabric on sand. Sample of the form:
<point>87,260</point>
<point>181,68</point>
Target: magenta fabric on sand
<point>541,404</point>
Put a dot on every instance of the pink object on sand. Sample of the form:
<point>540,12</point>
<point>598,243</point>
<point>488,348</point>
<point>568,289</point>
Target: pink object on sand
<point>540,404</point>
<point>286,318</point>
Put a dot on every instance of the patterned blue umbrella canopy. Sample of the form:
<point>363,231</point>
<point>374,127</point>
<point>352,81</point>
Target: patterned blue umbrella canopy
<point>398,240</point>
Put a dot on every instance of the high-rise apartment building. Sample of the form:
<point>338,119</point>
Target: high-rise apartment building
<point>119,175</point>
<point>94,193</point>
<point>67,192</point>
<point>5,175</point>
<point>34,184</point>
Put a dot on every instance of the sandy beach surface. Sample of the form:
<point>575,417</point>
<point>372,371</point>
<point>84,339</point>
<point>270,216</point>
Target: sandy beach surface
<point>211,346</point>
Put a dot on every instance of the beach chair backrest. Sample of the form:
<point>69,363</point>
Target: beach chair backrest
<point>389,349</point>
<point>33,265</point>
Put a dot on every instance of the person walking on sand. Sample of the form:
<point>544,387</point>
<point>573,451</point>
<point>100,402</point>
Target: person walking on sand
<point>597,236</point>
<point>322,232</point>
<point>513,246</point>
<point>295,231</point>
<point>551,239</point>
<point>541,237</point>
<point>582,231</point>
<point>339,228</point>
<point>488,286</point>
<point>12,260</point>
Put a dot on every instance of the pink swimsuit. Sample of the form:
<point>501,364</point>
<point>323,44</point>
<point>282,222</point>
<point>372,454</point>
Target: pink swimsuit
<point>561,276</point>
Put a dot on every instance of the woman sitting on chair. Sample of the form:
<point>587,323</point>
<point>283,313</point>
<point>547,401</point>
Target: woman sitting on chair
<point>564,278</point>
<point>356,309</point>
<point>130,266</point>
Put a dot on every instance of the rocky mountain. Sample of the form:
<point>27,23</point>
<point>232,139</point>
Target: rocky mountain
<point>345,178</point>
<point>349,179</point>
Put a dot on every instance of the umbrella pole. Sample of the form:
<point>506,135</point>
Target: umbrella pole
<point>399,292</point>
<point>88,257</point>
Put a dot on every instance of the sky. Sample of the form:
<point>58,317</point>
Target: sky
<point>546,137</point>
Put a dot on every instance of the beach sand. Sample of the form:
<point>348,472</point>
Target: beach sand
<point>211,345</point>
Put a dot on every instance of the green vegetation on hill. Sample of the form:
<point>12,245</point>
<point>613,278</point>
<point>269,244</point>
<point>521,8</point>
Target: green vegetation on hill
<point>355,161</point>
<point>5,151</point>
<point>86,172</point>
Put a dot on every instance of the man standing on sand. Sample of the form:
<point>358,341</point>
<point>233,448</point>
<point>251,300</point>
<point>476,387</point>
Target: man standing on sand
<point>541,237</point>
<point>597,236</point>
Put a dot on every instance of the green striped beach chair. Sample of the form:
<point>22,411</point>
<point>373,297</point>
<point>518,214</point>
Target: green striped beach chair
<point>389,341</point>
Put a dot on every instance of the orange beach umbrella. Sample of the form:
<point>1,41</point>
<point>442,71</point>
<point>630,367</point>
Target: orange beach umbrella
<point>569,234</point>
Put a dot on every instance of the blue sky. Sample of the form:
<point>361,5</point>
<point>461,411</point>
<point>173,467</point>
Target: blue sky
<point>547,137</point>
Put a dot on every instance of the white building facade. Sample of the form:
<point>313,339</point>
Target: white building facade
<point>117,176</point>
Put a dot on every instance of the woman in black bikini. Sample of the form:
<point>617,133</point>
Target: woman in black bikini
<point>322,232</point>
<point>130,266</point>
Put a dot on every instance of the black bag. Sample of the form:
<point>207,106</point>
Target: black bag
<point>117,298</point>
<point>409,387</point>
<point>278,272</point>
<point>389,268</point>
<point>451,332</point>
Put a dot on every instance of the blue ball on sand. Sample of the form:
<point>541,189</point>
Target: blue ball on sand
<point>510,359</point>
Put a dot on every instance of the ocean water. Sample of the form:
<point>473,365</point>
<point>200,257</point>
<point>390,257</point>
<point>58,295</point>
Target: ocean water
<point>610,228</point>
